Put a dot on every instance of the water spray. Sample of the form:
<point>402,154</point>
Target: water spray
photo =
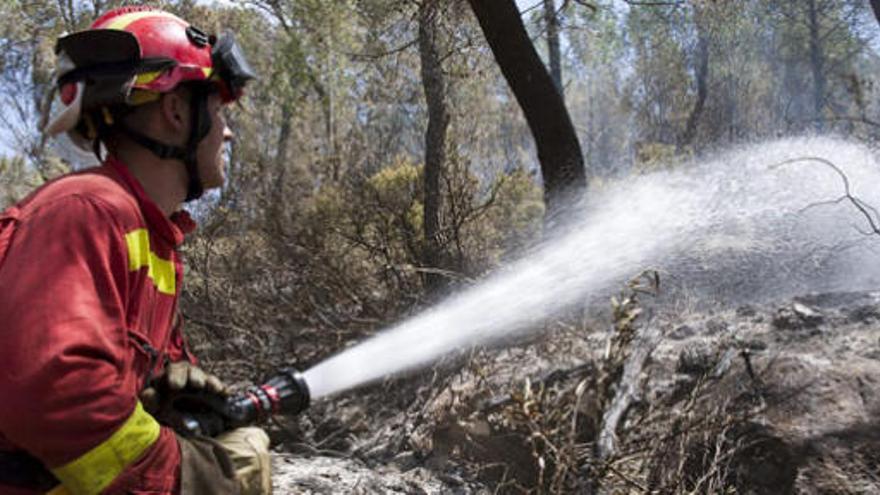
<point>737,228</point>
<point>737,223</point>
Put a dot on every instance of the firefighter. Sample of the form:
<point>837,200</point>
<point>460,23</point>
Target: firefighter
<point>91,275</point>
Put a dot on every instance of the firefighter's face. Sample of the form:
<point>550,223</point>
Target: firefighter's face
<point>211,156</point>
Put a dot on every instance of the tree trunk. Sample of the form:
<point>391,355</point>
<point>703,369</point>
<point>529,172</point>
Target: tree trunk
<point>284,134</point>
<point>562,164</point>
<point>817,61</point>
<point>553,53</point>
<point>279,178</point>
<point>328,104</point>
<point>435,140</point>
<point>875,5</point>
<point>702,76</point>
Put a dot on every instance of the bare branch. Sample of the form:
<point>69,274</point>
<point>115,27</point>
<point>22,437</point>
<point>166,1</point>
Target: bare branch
<point>858,120</point>
<point>865,209</point>
<point>381,53</point>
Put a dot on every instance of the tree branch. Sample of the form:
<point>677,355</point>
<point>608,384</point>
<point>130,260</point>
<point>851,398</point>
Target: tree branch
<point>865,209</point>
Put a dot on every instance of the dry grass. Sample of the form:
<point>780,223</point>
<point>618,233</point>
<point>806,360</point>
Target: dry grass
<point>544,437</point>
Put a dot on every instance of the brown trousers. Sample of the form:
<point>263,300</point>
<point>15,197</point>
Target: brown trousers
<point>236,463</point>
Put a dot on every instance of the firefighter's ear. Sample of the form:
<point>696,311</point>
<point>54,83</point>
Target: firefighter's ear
<point>174,107</point>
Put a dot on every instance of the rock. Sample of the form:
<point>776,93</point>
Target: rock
<point>864,314</point>
<point>796,317</point>
<point>405,460</point>
<point>829,300</point>
<point>682,332</point>
<point>818,429</point>
<point>766,463</point>
<point>754,345</point>
<point>714,327</point>
<point>810,316</point>
<point>695,360</point>
<point>746,311</point>
<point>875,354</point>
<point>800,415</point>
<point>785,319</point>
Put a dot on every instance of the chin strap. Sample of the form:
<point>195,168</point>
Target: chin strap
<point>201,126</point>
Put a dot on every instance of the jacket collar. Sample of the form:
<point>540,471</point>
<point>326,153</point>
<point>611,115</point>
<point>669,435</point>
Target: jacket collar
<point>171,229</point>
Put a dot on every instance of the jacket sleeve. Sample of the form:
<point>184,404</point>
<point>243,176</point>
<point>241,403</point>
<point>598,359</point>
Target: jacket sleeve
<point>65,355</point>
<point>178,348</point>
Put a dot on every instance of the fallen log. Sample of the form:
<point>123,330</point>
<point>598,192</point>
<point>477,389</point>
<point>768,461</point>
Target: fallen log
<point>629,391</point>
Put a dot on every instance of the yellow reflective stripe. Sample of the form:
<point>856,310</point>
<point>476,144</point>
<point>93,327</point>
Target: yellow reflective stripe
<point>125,20</point>
<point>139,97</point>
<point>96,469</point>
<point>147,77</point>
<point>160,271</point>
<point>58,490</point>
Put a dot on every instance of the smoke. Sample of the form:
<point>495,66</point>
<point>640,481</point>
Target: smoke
<point>738,227</point>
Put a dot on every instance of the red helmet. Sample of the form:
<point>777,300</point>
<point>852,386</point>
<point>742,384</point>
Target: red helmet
<point>162,35</point>
<point>130,55</point>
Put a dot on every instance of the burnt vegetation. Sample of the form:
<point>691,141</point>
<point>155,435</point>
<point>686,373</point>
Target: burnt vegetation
<point>383,161</point>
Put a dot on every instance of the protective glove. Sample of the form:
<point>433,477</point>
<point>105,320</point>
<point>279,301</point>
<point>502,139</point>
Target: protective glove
<point>184,375</point>
<point>177,377</point>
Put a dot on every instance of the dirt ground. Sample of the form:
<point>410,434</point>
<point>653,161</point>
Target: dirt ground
<point>775,398</point>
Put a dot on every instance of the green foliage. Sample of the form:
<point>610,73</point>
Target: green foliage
<point>324,211</point>
<point>651,156</point>
<point>343,260</point>
<point>513,221</point>
<point>318,239</point>
<point>381,218</point>
<point>397,189</point>
<point>658,92</point>
<point>16,179</point>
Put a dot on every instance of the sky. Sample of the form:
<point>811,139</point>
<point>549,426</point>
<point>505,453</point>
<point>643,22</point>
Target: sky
<point>5,149</point>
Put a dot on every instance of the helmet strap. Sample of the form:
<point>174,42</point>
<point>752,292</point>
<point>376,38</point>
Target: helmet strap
<point>96,149</point>
<point>161,150</point>
<point>201,126</point>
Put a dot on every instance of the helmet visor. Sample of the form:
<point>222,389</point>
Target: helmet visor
<point>231,66</point>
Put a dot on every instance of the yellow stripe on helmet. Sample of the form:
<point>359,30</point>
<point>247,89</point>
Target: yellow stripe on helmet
<point>147,77</point>
<point>140,97</point>
<point>95,470</point>
<point>123,21</point>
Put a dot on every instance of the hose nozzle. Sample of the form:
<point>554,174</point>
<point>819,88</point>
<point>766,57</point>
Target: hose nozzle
<point>284,393</point>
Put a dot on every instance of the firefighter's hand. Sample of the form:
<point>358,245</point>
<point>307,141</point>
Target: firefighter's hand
<point>183,375</point>
<point>177,377</point>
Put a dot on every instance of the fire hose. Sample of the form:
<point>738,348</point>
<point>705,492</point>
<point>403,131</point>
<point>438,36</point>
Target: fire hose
<point>204,413</point>
<point>188,413</point>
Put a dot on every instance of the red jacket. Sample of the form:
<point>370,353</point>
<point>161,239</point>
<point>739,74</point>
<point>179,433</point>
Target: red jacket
<point>89,288</point>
